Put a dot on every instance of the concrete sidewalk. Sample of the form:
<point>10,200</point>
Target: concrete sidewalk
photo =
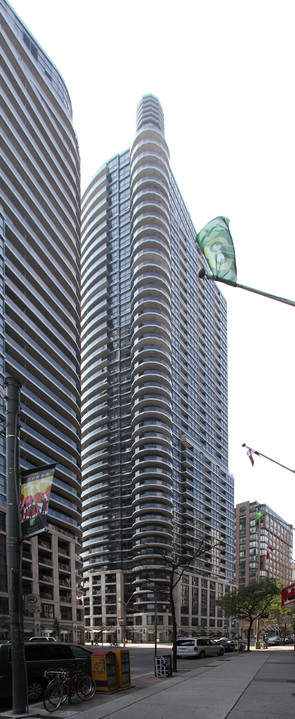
<point>251,685</point>
<point>238,686</point>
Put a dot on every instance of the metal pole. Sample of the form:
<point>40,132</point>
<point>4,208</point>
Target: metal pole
<point>259,454</point>
<point>258,622</point>
<point>203,275</point>
<point>14,549</point>
<point>125,605</point>
<point>156,629</point>
<point>124,633</point>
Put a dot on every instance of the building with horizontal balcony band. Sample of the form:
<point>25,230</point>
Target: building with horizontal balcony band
<point>40,316</point>
<point>264,547</point>
<point>155,479</point>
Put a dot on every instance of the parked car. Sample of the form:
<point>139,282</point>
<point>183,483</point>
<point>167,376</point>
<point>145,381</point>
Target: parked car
<point>288,640</point>
<point>198,647</point>
<point>39,657</point>
<point>42,639</point>
<point>273,640</point>
<point>228,644</point>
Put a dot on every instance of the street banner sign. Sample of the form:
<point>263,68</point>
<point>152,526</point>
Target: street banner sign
<point>35,495</point>
<point>288,595</point>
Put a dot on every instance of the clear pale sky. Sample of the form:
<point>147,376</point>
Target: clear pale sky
<point>224,74</point>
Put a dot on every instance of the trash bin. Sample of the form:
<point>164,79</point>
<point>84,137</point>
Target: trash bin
<point>123,667</point>
<point>163,667</point>
<point>104,670</point>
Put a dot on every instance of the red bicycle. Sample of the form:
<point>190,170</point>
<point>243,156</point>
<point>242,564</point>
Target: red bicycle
<point>63,687</point>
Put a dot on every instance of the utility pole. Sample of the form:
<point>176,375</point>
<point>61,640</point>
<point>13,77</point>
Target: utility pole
<point>14,548</point>
<point>257,644</point>
<point>156,628</point>
<point>125,605</point>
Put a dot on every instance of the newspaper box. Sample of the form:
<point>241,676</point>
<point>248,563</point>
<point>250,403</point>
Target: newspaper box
<point>104,670</point>
<point>123,667</point>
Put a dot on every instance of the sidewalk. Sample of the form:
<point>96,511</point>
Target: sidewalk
<point>251,685</point>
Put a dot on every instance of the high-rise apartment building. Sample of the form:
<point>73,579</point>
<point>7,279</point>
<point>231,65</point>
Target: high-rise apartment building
<point>155,479</point>
<point>264,547</point>
<point>40,315</point>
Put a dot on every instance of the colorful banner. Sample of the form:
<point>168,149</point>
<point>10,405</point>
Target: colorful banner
<point>35,495</point>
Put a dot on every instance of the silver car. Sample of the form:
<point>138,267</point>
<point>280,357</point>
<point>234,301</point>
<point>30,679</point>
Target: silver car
<point>198,647</point>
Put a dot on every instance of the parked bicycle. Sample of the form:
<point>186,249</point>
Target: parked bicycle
<point>63,687</point>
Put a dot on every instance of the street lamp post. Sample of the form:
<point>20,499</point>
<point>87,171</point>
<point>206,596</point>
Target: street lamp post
<point>124,626</point>
<point>156,626</point>
<point>257,644</point>
<point>125,604</point>
<point>124,621</point>
<point>14,547</point>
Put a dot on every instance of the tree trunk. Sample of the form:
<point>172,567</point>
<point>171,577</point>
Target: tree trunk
<point>249,634</point>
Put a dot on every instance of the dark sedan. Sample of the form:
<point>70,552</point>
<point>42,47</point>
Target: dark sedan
<point>228,644</point>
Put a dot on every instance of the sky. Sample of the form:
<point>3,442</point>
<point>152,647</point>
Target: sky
<point>224,74</point>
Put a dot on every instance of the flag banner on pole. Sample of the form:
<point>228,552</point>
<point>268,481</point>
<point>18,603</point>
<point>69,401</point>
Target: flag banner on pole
<point>250,453</point>
<point>35,495</point>
<point>268,550</point>
<point>216,243</point>
<point>259,516</point>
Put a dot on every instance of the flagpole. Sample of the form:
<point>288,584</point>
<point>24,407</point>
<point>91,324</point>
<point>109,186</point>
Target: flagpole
<point>257,646</point>
<point>269,458</point>
<point>203,275</point>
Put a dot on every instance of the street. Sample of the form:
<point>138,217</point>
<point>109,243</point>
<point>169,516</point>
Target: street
<point>141,668</point>
<point>142,676</point>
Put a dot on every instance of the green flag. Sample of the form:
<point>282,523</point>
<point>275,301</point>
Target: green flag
<point>217,245</point>
<point>259,515</point>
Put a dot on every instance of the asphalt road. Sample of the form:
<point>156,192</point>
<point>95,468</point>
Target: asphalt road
<point>142,659</point>
<point>141,664</point>
<point>142,668</point>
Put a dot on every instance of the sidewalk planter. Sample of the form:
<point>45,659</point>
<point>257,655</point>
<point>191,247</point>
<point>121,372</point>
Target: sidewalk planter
<point>123,667</point>
<point>104,670</point>
<point>163,667</point>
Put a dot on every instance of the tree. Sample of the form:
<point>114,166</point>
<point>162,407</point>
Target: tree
<point>177,565</point>
<point>249,602</point>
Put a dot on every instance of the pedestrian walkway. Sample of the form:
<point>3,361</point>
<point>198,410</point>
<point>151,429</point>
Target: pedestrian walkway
<point>249,685</point>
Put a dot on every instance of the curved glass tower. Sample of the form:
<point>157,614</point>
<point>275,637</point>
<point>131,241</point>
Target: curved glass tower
<point>151,351</point>
<point>40,312</point>
<point>155,480</point>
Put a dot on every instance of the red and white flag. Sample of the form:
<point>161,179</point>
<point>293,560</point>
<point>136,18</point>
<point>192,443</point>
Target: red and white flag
<point>250,453</point>
<point>268,550</point>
